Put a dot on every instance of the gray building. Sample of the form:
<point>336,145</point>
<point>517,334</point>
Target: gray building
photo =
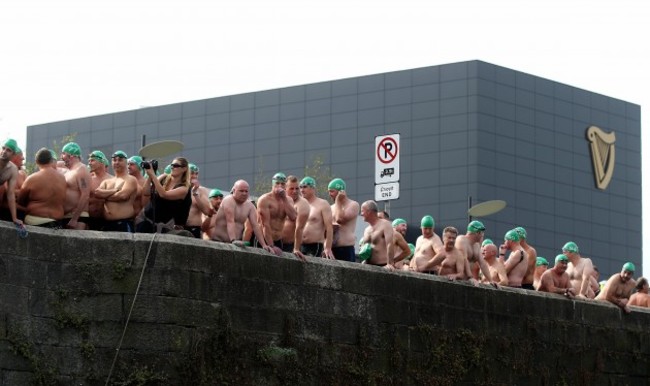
<point>469,129</point>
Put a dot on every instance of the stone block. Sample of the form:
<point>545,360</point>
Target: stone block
<point>324,274</point>
<point>14,299</point>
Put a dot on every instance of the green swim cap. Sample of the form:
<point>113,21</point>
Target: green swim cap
<point>511,235</point>
<point>541,261</point>
<point>412,248</point>
<point>13,145</point>
<point>365,252</point>
<point>475,227</point>
<point>120,154</point>
<point>308,181</point>
<point>561,257</point>
<point>522,232</point>
<point>72,148</point>
<point>215,193</point>
<point>279,177</point>
<point>99,156</point>
<point>427,222</point>
<point>486,242</point>
<point>193,168</point>
<point>571,247</point>
<point>629,267</point>
<point>336,184</point>
<point>168,169</point>
<point>398,221</point>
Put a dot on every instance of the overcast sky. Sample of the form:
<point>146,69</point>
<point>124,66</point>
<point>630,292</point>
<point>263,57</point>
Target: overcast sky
<point>67,59</point>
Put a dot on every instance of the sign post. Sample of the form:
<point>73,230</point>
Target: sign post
<point>387,149</point>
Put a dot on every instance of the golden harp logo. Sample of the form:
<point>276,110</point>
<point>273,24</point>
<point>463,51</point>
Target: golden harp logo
<point>603,155</point>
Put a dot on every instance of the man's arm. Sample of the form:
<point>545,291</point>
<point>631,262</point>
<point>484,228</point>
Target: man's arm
<point>252,218</point>
<point>289,209</point>
<point>125,190</point>
<point>264,214</point>
<point>390,245</point>
<point>326,213</point>
<point>83,183</point>
<point>502,274</point>
<point>200,199</point>
<point>301,219</point>
<point>587,274</point>
<point>403,245</point>
<point>433,262</point>
<point>11,197</point>
<point>229,213</point>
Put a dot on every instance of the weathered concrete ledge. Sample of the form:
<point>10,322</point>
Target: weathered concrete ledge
<point>210,313</point>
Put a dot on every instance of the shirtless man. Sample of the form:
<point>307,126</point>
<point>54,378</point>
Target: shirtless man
<point>43,193</point>
<point>517,263</point>
<point>640,298</point>
<point>619,288</point>
<point>118,194</point>
<point>292,230</point>
<point>97,163</point>
<point>541,265</point>
<point>377,239</point>
<point>344,214</point>
<point>527,283</point>
<point>200,204</point>
<point>497,269</point>
<point>580,270</point>
<point>401,247</point>
<point>317,235</point>
<point>233,213</point>
<point>78,191</point>
<point>133,165</point>
<point>273,208</point>
<point>426,246</point>
<point>9,174</point>
<point>209,221</point>
<point>18,160</point>
<point>450,259</point>
<point>470,245</point>
<point>556,280</point>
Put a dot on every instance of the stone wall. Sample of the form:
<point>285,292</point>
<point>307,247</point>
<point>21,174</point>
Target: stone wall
<point>209,313</point>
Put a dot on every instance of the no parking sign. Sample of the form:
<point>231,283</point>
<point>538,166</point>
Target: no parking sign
<point>387,166</point>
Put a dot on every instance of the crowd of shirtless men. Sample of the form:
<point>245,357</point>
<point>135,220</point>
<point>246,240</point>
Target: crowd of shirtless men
<point>66,193</point>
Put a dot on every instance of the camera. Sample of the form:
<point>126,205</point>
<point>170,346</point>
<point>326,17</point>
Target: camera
<point>149,164</point>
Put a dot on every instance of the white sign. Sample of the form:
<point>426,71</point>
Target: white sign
<point>386,158</point>
<point>385,192</point>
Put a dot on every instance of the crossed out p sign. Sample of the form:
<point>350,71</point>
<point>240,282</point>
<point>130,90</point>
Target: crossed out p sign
<point>386,158</point>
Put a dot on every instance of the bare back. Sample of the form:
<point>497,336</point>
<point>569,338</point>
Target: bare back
<point>639,299</point>
<point>380,236</point>
<point>43,194</point>
<point>516,266</point>
<point>532,260</point>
